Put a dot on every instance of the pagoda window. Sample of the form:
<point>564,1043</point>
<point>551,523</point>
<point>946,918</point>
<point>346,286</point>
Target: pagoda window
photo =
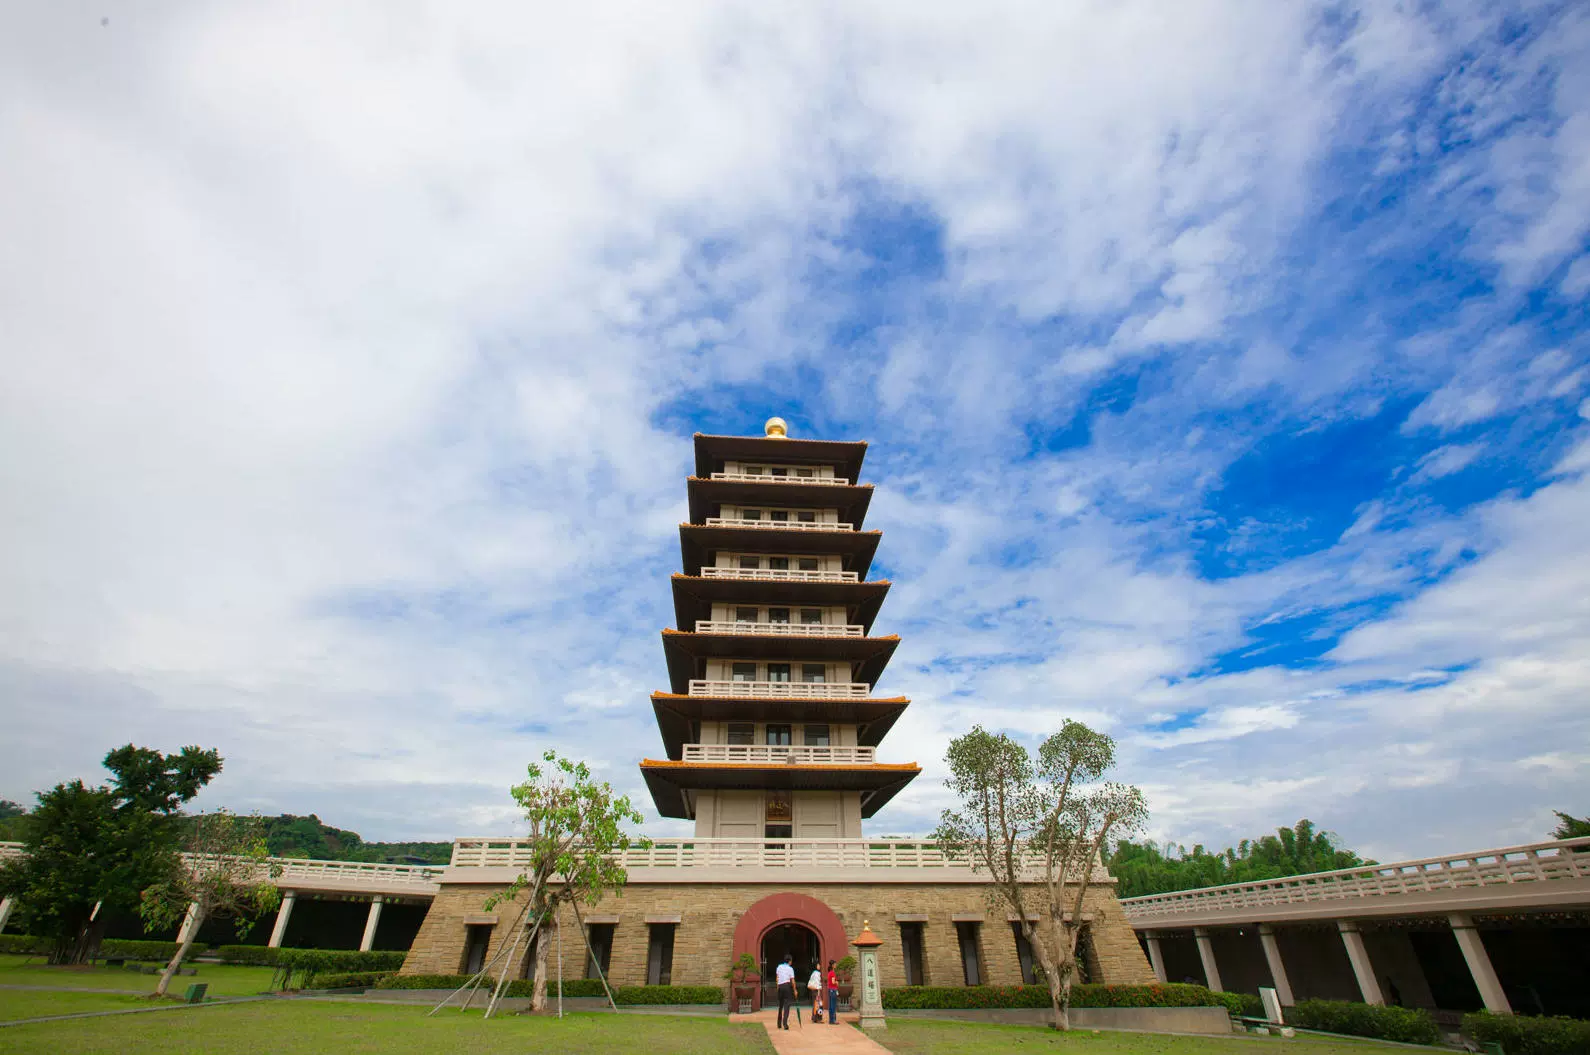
<point>806,516</point>
<point>1029,976</point>
<point>600,935</point>
<point>814,673</point>
<point>660,954</point>
<point>743,672</point>
<point>780,514</point>
<point>778,470</point>
<point>750,514</point>
<point>778,736</point>
<point>805,474</point>
<point>778,615</point>
<point>778,563</point>
<point>971,954</point>
<point>477,937</point>
<point>742,733</point>
<point>745,615</point>
<point>806,563</point>
<point>816,736</point>
<point>775,671</point>
<point>751,562</point>
<point>751,470</point>
<point>810,616</point>
<point>911,947</point>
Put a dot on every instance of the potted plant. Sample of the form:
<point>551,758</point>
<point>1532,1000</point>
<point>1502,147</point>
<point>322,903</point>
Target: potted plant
<point>844,969</point>
<point>743,980</point>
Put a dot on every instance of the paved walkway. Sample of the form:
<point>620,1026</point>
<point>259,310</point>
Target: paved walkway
<point>808,1039</point>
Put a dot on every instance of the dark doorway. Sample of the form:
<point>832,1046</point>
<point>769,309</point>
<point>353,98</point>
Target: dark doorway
<point>793,939</point>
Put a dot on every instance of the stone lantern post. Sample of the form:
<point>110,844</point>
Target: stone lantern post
<point>871,1006</point>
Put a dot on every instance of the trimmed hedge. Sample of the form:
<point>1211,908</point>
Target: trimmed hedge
<point>355,980</point>
<point>1001,996</point>
<point>667,994</point>
<point>1529,1034</point>
<point>623,994</point>
<point>307,963</point>
<point>253,955</point>
<point>1410,1025</point>
<point>112,948</point>
<point>24,945</point>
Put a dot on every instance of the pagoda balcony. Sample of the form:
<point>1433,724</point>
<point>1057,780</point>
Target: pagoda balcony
<point>782,690</point>
<point>709,626</point>
<point>768,478</point>
<point>775,754</point>
<point>778,525</point>
<point>779,575</point>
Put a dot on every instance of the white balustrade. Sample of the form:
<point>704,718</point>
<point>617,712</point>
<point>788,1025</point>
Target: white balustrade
<point>779,525</point>
<point>769,478</point>
<point>779,575</point>
<point>776,754</point>
<point>749,629</point>
<point>1531,863</point>
<point>301,873</point>
<point>10,850</point>
<point>783,690</point>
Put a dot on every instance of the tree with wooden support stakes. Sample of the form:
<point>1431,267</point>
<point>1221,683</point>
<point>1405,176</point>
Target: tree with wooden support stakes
<point>575,842</point>
<point>225,873</point>
<point>1038,828</point>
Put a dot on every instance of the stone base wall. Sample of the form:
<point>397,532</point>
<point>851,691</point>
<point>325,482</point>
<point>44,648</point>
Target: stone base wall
<point>708,913</point>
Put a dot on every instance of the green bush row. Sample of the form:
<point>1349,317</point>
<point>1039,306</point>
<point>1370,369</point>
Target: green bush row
<point>255,955</point>
<point>352,980</point>
<point>624,994</point>
<point>24,945</point>
<point>1529,1034</point>
<point>974,996</point>
<point>305,964</point>
<point>114,948</point>
<point>1410,1025</point>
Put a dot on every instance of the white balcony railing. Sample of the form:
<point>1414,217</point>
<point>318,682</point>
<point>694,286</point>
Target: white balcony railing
<point>1534,863</point>
<point>773,754</point>
<point>779,575</point>
<point>768,478</point>
<point>779,525</point>
<point>747,629</point>
<point>783,690</point>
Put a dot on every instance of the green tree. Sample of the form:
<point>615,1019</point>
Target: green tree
<point>88,849</point>
<point>1142,868</point>
<point>1569,827</point>
<point>224,872</point>
<point>10,809</point>
<point>1039,824</point>
<point>576,838</point>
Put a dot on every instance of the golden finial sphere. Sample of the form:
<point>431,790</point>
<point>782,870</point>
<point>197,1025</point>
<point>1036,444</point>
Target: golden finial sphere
<point>776,428</point>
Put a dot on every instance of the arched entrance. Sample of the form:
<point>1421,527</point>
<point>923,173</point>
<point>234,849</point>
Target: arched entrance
<point>801,944</point>
<point>778,910</point>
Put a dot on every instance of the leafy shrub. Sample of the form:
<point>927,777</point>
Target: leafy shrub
<point>1410,1025</point>
<point>307,963</point>
<point>426,981</point>
<point>24,945</point>
<point>132,949</point>
<point>355,980</point>
<point>668,994</point>
<point>974,996</point>
<point>255,955</point>
<point>1529,1034</point>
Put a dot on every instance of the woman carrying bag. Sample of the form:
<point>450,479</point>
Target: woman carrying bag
<point>814,986</point>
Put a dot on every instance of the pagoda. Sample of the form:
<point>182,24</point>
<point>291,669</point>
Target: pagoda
<point>771,721</point>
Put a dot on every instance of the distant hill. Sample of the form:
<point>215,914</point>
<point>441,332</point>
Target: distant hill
<point>289,836</point>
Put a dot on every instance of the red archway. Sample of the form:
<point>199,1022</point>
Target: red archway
<point>789,908</point>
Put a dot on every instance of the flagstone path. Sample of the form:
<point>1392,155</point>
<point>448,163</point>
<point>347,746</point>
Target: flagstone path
<point>807,1038</point>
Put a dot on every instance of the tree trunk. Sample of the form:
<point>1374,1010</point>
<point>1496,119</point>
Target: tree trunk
<point>538,997</point>
<point>182,950</point>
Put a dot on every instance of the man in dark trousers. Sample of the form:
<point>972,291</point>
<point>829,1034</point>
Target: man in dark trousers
<point>784,975</point>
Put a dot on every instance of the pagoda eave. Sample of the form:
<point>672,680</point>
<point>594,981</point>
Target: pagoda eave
<point>688,652</point>
<point>706,496</point>
<point>677,715</point>
<point>855,547</point>
<point>668,781</point>
<point>713,451</point>
<point>694,596</point>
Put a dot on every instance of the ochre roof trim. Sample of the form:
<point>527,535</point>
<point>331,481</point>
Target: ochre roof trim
<point>866,767</point>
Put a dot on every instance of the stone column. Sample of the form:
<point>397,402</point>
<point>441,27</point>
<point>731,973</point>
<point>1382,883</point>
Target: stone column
<point>189,923</point>
<point>1272,956</point>
<point>283,914</point>
<point>871,1004</point>
<point>1156,955</point>
<point>5,911</point>
<point>1479,962</point>
<point>371,922</point>
<point>1363,970</point>
<point>1206,953</point>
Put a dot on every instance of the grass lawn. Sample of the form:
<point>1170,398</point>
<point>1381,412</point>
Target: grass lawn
<point>964,1038</point>
<point>16,1003</point>
<point>304,1028</point>
<point>223,979</point>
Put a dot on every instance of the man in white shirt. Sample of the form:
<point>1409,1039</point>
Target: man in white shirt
<point>784,975</point>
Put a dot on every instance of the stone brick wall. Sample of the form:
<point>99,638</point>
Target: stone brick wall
<point>708,912</point>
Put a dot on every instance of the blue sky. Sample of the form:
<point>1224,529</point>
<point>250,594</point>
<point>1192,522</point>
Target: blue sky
<point>1226,371</point>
